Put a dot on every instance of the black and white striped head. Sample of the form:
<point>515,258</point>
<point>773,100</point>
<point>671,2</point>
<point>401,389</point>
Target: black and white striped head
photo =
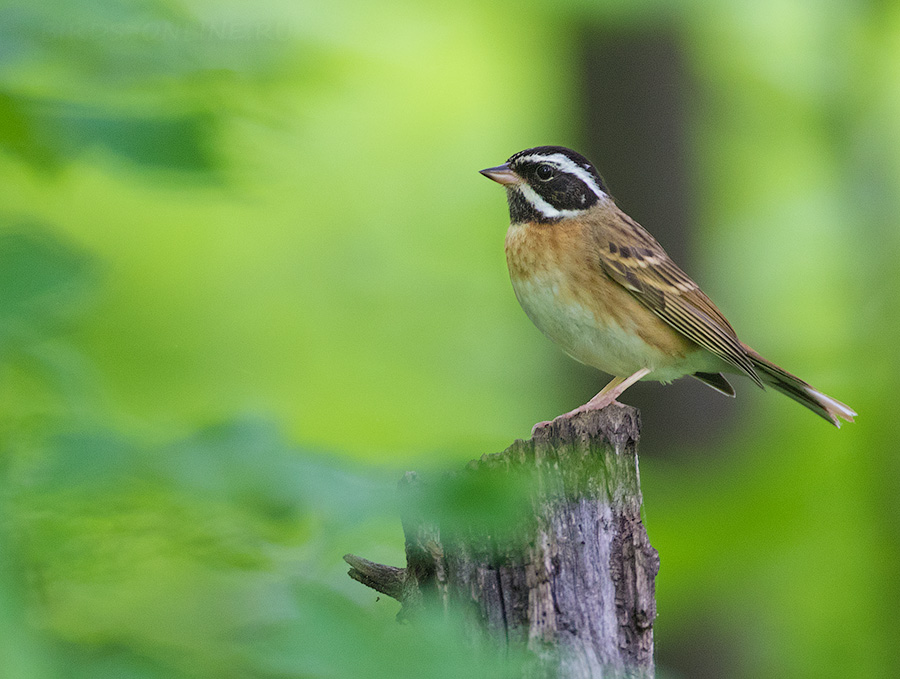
<point>548,183</point>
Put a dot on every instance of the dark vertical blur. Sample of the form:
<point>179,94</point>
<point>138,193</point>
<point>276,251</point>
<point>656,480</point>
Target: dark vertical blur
<point>636,94</point>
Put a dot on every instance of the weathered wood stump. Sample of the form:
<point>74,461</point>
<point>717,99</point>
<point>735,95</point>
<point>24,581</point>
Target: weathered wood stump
<point>572,580</point>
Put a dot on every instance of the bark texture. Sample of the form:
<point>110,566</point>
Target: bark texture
<point>573,582</point>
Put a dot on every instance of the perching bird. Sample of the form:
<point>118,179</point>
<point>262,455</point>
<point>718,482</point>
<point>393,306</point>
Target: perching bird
<point>596,283</point>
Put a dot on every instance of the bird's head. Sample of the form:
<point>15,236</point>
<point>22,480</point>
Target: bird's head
<point>548,183</point>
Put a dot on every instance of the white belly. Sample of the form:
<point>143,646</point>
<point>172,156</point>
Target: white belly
<point>600,343</point>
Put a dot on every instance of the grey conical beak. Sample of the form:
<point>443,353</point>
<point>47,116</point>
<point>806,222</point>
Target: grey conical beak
<point>502,174</point>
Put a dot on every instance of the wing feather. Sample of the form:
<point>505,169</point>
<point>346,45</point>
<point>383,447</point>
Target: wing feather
<point>632,257</point>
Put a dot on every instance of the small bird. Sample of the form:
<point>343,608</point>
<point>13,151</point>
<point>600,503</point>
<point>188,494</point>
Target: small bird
<point>598,284</point>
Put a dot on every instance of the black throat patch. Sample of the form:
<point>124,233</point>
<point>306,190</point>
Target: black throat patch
<point>522,211</point>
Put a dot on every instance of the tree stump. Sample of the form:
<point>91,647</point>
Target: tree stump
<point>572,581</point>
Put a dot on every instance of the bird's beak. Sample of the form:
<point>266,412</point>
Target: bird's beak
<point>502,175</point>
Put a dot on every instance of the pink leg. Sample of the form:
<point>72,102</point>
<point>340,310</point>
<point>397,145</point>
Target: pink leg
<point>612,391</point>
<point>607,396</point>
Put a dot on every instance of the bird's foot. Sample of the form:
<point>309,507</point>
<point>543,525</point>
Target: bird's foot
<point>599,402</point>
<point>607,396</point>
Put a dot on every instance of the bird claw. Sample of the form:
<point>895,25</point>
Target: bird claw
<point>595,403</point>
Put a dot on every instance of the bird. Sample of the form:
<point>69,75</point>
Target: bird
<point>600,286</point>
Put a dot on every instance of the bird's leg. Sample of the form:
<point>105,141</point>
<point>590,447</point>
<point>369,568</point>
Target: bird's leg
<point>613,383</point>
<point>612,391</point>
<point>607,396</point>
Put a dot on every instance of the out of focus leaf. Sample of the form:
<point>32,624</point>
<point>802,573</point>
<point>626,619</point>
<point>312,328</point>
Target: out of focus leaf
<point>46,133</point>
<point>23,652</point>
<point>248,462</point>
<point>492,502</point>
<point>112,662</point>
<point>103,42</point>
<point>42,278</point>
<point>327,636</point>
<point>186,534</point>
<point>90,463</point>
<point>20,135</point>
<point>179,142</point>
<point>177,69</point>
<point>244,464</point>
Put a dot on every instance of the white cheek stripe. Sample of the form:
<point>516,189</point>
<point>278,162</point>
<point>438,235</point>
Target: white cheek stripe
<point>565,164</point>
<point>542,205</point>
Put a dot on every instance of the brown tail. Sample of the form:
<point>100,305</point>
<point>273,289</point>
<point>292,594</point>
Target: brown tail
<point>789,385</point>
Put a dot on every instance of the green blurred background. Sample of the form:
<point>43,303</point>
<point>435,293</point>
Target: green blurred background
<point>249,274</point>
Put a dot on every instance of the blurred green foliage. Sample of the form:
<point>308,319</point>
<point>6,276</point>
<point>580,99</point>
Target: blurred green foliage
<point>248,272</point>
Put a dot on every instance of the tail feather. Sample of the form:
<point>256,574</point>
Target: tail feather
<point>792,386</point>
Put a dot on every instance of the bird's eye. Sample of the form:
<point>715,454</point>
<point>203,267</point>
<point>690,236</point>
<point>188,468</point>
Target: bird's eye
<point>544,172</point>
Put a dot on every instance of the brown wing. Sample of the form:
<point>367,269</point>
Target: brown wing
<point>633,258</point>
